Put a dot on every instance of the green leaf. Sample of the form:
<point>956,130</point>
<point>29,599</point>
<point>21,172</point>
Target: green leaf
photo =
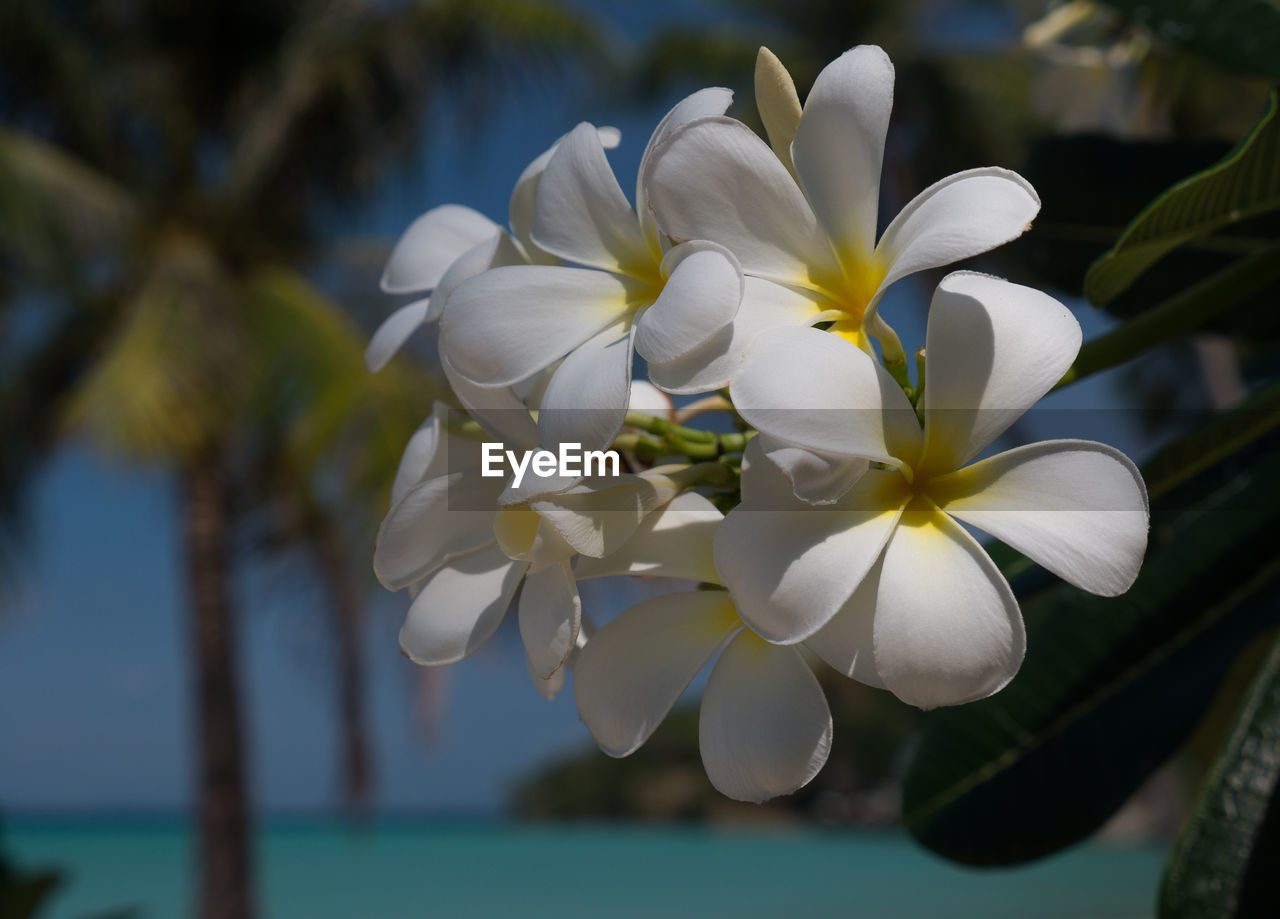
<point>1180,314</point>
<point>1241,35</point>
<point>1109,689</point>
<point>1245,183</point>
<point>1209,874</point>
<point>1224,434</point>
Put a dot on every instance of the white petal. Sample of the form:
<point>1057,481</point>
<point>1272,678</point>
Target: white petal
<point>587,397</point>
<point>947,627</point>
<point>634,669</point>
<point>674,541</point>
<point>818,391</point>
<point>460,606</point>
<point>505,325</point>
<point>764,728</point>
<point>816,478</point>
<point>705,102</point>
<point>495,252</point>
<point>395,330</point>
<point>847,642</point>
<point>992,349</point>
<point>581,213</point>
<point>839,146</point>
<point>550,687</point>
<point>523,197</point>
<point>550,615</point>
<point>423,457</point>
<point>715,179</point>
<point>524,194</point>
<point>956,218</point>
<point>424,530</point>
<point>711,366</point>
<point>430,245</point>
<point>523,535</point>
<point>497,409</point>
<point>602,513</point>
<point>701,296</point>
<point>1076,507</point>
<point>764,486</point>
<point>534,486</point>
<point>791,570</point>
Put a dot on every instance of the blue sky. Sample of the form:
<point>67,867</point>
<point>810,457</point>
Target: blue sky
<point>93,654</point>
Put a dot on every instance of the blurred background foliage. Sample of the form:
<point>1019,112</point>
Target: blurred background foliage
<point>165,174</point>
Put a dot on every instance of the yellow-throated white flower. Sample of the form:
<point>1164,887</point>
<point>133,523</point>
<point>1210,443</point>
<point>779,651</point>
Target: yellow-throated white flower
<point>764,728</point>
<point>885,584</point>
<point>449,244</point>
<point>805,215</point>
<point>464,543</point>
<point>635,292</point>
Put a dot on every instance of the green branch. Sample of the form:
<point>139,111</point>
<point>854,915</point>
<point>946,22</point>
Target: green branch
<point>677,439</point>
<point>1178,315</point>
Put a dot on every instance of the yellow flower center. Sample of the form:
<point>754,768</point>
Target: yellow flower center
<point>849,294</point>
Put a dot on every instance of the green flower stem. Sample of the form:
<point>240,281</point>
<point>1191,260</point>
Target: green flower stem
<point>920,381</point>
<point>898,370</point>
<point>644,447</point>
<point>671,439</point>
<point>717,447</point>
<point>663,427</point>
<point>716,474</point>
<point>1178,315</point>
<point>675,439</point>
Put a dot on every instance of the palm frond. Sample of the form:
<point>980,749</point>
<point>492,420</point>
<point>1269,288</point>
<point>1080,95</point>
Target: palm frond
<point>54,209</point>
<point>170,377</point>
<point>353,84</point>
<point>332,418</point>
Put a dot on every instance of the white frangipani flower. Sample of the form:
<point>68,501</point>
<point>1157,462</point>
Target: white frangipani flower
<point>764,727</point>
<point>634,293</point>
<point>449,244</point>
<point>814,231</point>
<point>464,544</point>
<point>885,584</point>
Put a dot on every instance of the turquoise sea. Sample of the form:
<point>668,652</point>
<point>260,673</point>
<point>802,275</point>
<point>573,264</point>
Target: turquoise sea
<point>321,871</point>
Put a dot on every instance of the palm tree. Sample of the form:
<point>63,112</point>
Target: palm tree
<point>161,187</point>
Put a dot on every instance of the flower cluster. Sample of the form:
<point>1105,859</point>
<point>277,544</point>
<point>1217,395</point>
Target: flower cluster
<point>752,269</point>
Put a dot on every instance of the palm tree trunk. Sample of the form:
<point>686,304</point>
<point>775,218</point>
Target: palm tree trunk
<point>225,882</point>
<point>348,615</point>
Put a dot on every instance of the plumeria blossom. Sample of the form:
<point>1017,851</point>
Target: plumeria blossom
<point>805,215</point>
<point>885,584</point>
<point>757,267</point>
<point>437,253</point>
<point>764,728</point>
<point>463,544</point>
<point>633,293</point>
<point>451,243</point>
